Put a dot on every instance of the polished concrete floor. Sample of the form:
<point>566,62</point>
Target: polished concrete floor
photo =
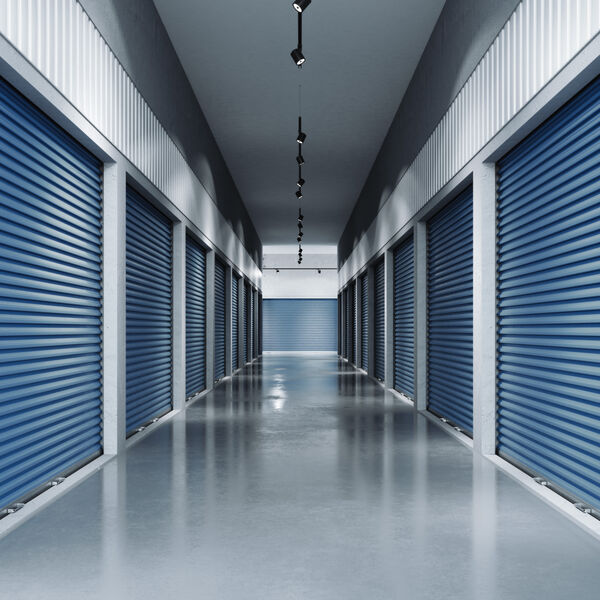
<point>299,479</point>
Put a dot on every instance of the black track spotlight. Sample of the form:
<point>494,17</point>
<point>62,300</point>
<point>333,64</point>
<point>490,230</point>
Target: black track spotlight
<point>300,226</point>
<point>298,239</point>
<point>300,216</point>
<point>300,159</point>
<point>319,271</point>
<point>299,261</point>
<point>300,5</point>
<point>300,182</point>
<point>299,194</point>
<point>301,137</point>
<point>300,234</point>
<point>298,57</point>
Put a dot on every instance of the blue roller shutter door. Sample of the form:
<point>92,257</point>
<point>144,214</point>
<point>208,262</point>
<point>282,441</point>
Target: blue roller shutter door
<point>252,325</point>
<point>339,329</point>
<point>404,318</point>
<point>246,321</point>
<point>364,322</point>
<point>379,338</point>
<point>300,324</point>
<point>450,312</point>
<point>195,318</point>
<point>219,320</point>
<point>549,299</point>
<point>260,324</point>
<point>353,289</point>
<point>51,296</point>
<point>348,324</point>
<point>149,243</point>
<point>235,320</point>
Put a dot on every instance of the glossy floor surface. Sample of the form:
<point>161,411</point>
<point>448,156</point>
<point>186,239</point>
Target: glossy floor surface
<point>299,479</point>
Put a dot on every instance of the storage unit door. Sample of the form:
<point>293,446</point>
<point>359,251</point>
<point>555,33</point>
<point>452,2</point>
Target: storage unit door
<point>235,323</point>
<point>149,244</point>
<point>549,300</point>
<point>450,312</point>
<point>51,298</point>
<point>252,325</point>
<point>404,318</point>
<point>354,324</point>
<point>219,320</point>
<point>300,324</point>
<point>339,330</point>
<point>260,324</point>
<point>195,318</point>
<point>364,322</point>
<point>348,324</point>
<point>246,321</point>
<point>380,320</point>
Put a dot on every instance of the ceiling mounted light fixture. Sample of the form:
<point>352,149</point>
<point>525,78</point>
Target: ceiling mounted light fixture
<point>300,182</point>
<point>298,57</point>
<point>299,194</point>
<point>296,53</point>
<point>301,135</point>
<point>300,159</point>
<point>301,5</point>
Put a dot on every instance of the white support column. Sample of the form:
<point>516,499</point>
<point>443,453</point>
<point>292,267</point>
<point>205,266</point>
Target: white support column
<point>420,242</point>
<point>210,320</point>
<point>228,320</point>
<point>389,319</point>
<point>371,320</point>
<point>178,316</point>
<point>114,309</point>
<point>484,308</point>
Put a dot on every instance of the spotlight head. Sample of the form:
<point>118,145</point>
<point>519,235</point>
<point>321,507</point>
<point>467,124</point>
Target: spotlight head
<point>299,261</point>
<point>301,137</point>
<point>300,216</point>
<point>319,271</point>
<point>300,182</point>
<point>300,234</point>
<point>299,194</point>
<point>277,271</point>
<point>300,5</point>
<point>297,57</point>
<point>299,239</point>
<point>300,159</point>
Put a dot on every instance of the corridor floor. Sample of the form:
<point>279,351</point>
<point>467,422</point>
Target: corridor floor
<point>299,479</point>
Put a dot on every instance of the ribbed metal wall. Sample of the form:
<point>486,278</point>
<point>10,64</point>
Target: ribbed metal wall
<point>354,291</point>
<point>195,317</point>
<point>539,39</point>
<point>450,311</point>
<point>549,300</point>
<point>404,318</point>
<point>300,325</point>
<point>61,41</point>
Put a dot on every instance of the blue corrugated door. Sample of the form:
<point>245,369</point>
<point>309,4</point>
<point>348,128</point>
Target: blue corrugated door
<point>404,318</point>
<point>348,324</point>
<point>149,243</point>
<point>246,321</point>
<point>51,298</point>
<point>219,320</point>
<point>235,323</point>
<point>195,318</point>
<point>450,312</point>
<point>379,338</point>
<point>339,329</point>
<point>252,325</point>
<point>549,300</point>
<point>353,291</point>
<point>260,324</point>
<point>300,324</point>
<point>364,322</point>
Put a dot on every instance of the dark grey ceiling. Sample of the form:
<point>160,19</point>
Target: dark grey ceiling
<point>360,58</point>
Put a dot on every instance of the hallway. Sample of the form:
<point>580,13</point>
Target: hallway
<point>298,478</point>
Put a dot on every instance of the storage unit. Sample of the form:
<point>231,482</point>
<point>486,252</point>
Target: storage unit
<point>300,325</point>
<point>379,309</point>
<point>353,292</point>
<point>339,328</point>
<point>195,317</point>
<point>220,328</point>
<point>348,321</point>
<point>404,318</point>
<point>260,324</point>
<point>548,300</point>
<point>364,322</point>
<point>149,249</point>
<point>235,322</point>
<point>51,297</point>
<point>252,323</point>
<point>246,321</point>
<point>450,312</point>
